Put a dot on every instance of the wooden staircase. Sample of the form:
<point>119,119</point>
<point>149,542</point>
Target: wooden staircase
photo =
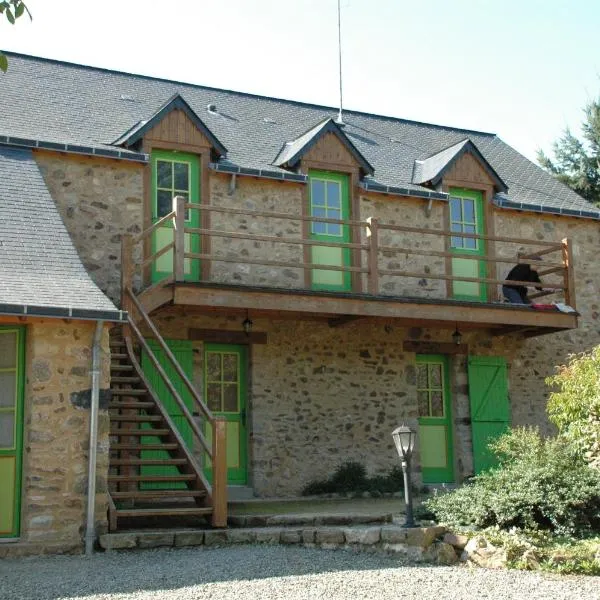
<point>152,473</point>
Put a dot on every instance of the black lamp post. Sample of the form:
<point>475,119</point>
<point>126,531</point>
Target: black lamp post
<point>404,438</point>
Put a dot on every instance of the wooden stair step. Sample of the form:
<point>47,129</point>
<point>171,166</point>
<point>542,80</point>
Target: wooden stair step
<point>136,418</point>
<point>121,367</point>
<point>141,432</point>
<point>149,494</point>
<point>118,355</point>
<point>162,512</point>
<point>150,462</point>
<point>150,478</point>
<point>124,379</point>
<point>129,392</point>
<point>131,404</point>
<point>135,447</point>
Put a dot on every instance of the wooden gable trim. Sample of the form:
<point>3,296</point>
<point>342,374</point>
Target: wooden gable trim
<point>177,132</point>
<point>468,172</point>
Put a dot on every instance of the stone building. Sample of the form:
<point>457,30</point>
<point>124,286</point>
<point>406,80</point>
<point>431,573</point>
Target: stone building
<point>296,288</point>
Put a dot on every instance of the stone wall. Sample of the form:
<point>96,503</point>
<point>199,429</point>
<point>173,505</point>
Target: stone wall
<point>56,437</point>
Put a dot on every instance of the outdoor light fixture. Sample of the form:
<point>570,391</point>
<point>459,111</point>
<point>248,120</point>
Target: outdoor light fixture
<point>404,438</point>
<point>247,324</point>
<point>457,336</point>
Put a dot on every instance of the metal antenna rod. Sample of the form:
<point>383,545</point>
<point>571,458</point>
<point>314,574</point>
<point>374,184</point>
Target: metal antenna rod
<point>340,120</point>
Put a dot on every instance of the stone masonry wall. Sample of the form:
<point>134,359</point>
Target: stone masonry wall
<point>56,436</point>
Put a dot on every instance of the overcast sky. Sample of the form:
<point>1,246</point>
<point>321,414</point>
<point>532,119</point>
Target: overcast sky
<point>523,69</point>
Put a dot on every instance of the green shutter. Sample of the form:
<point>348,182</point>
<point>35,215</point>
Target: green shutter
<point>490,411</point>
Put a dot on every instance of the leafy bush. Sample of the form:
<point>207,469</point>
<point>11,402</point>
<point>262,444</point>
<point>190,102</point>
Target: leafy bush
<point>575,407</point>
<point>539,484</point>
<point>352,477</point>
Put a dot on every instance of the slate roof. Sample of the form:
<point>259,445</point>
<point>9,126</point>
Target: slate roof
<point>432,169</point>
<point>40,270</point>
<point>64,103</point>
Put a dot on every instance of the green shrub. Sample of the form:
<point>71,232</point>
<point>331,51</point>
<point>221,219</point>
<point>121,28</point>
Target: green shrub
<point>539,484</point>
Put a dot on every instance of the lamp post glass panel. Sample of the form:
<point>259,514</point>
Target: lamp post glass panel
<point>404,438</point>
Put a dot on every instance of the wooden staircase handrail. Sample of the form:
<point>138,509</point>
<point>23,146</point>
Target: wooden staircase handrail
<point>175,363</point>
<point>140,236</point>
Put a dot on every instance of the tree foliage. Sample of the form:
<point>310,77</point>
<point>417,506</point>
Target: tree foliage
<point>574,406</point>
<point>576,161</point>
<point>12,10</point>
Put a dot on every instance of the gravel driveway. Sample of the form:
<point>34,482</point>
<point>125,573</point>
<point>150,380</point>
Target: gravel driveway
<point>269,572</point>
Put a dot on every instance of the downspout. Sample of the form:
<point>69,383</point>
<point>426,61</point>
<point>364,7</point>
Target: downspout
<point>90,532</point>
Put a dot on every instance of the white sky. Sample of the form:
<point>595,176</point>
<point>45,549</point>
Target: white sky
<point>523,69</point>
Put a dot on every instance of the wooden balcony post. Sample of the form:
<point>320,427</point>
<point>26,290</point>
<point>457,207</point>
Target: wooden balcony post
<point>126,271</point>
<point>569,272</point>
<point>179,250</point>
<point>373,235</point>
<point>219,483</point>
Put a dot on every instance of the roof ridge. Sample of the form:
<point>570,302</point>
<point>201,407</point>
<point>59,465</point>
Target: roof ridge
<point>248,94</point>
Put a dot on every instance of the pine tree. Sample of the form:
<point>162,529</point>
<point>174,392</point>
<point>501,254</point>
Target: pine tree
<point>577,162</point>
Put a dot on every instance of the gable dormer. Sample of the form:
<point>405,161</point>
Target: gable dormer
<point>325,145</point>
<point>176,124</point>
<point>461,163</point>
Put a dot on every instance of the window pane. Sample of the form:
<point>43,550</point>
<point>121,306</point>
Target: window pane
<point>182,180</point>
<point>230,367</point>
<point>213,396</point>
<point>8,389</point>
<point>230,397</point>
<point>422,377</point>
<point>213,367</point>
<point>457,242</point>
<point>164,203</point>
<point>317,193</point>
<point>468,211</point>
<point>333,229</point>
<point>423,398</point>
<point>7,430</point>
<point>334,195</point>
<point>319,211</point>
<point>319,228</point>
<point>470,243</point>
<point>455,209</point>
<point>436,376</point>
<point>437,404</point>
<point>8,350</point>
<point>164,177</point>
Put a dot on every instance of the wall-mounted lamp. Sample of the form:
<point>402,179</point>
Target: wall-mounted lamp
<point>247,324</point>
<point>457,336</point>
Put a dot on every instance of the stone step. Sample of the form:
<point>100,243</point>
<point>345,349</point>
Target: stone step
<point>308,519</point>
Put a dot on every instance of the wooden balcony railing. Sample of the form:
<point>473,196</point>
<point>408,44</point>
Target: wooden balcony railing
<point>378,250</point>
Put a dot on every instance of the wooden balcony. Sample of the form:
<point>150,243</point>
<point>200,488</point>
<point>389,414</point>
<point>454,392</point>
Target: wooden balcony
<point>242,260</point>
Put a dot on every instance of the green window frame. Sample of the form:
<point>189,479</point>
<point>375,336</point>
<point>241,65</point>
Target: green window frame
<point>431,389</point>
<point>172,175</point>
<point>226,365</point>
<point>464,218</point>
<point>326,200</point>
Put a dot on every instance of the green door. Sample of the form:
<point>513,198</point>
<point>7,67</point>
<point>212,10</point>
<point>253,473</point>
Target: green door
<point>329,198</point>
<point>225,390</point>
<point>12,361</point>
<point>435,419</point>
<point>182,349</point>
<point>490,411</point>
<point>466,216</point>
<point>174,174</point>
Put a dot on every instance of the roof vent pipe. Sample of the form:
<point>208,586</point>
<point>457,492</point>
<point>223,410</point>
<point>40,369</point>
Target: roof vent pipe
<point>211,108</point>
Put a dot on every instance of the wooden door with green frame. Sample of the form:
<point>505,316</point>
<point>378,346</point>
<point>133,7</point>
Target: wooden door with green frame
<point>12,379</point>
<point>490,406</point>
<point>225,393</point>
<point>329,198</point>
<point>174,174</point>
<point>467,216</point>
<point>435,419</point>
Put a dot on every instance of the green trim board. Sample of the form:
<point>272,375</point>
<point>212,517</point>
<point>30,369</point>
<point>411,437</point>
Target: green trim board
<point>490,406</point>
<point>435,418</point>
<point>329,197</point>
<point>174,174</point>
<point>467,216</point>
<point>12,387</point>
<point>183,351</point>
<point>225,391</point>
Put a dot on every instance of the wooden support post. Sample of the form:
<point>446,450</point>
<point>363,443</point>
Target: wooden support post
<point>373,235</point>
<point>219,484</point>
<point>126,274</point>
<point>569,272</point>
<point>179,251</point>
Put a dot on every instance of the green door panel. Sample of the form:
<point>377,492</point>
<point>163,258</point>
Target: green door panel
<point>329,198</point>
<point>12,377</point>
<point>182,349</point>
<point>490,409</point>
<point>174,174</point>
<point>435,419</point>
<point>225,393</point>
<point>467,216</point>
